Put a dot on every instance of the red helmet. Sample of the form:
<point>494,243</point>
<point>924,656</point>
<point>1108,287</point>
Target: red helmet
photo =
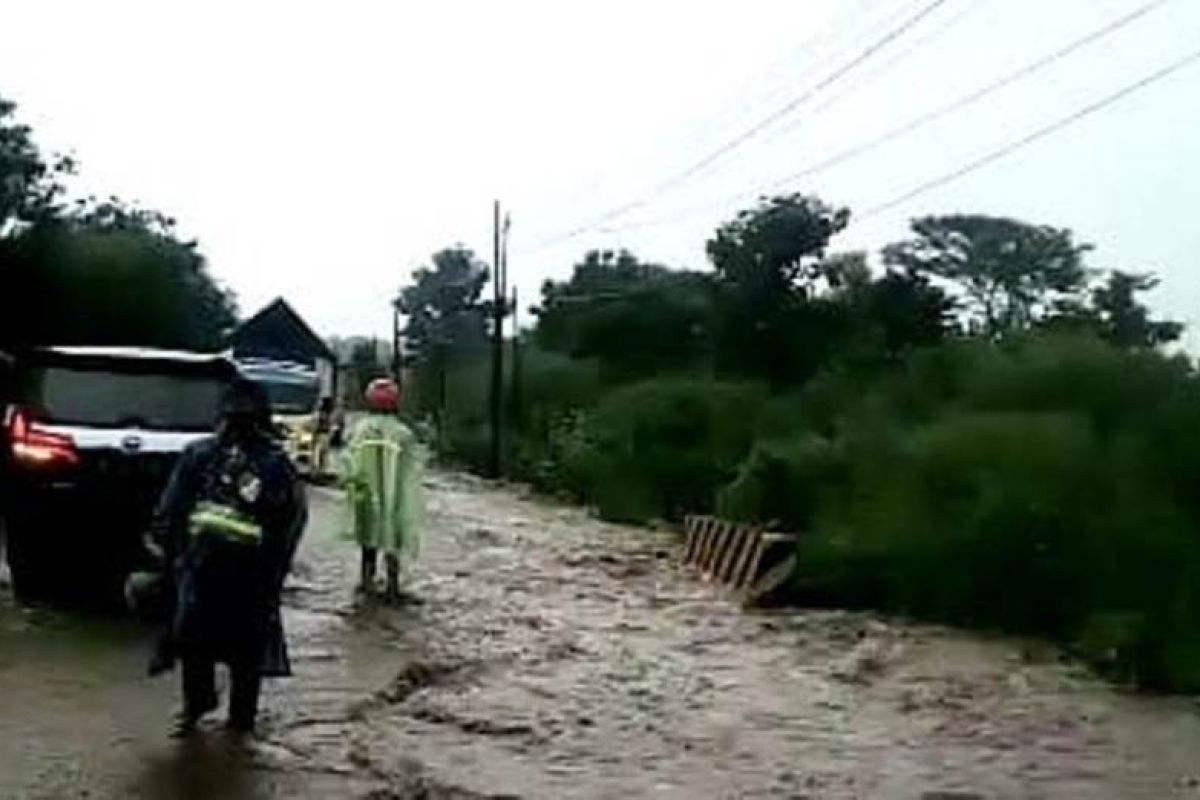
<point>383,395</point>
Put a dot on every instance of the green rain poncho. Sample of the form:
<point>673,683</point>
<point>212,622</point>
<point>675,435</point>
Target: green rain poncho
<point>381,472</point>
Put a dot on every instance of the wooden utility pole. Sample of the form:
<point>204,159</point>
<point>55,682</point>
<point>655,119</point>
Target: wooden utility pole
<point>397,355</point>
<point>516,359</point>
<point>499,294</point>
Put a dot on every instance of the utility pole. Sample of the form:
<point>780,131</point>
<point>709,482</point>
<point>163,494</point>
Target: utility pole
<point>516,359</point>
<point>499,294</point>
<point>397,356</point>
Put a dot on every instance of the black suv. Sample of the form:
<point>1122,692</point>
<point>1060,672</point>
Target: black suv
<point>91,441</point>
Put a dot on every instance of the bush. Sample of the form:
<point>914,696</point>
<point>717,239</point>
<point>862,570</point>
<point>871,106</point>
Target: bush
<point>662,448</point>
<point>1041,489</point>
<point>782,483</point>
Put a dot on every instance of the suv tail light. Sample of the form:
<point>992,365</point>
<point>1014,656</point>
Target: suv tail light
<point>35,447</point>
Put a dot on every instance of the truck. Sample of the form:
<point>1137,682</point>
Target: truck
<point>303,407</point>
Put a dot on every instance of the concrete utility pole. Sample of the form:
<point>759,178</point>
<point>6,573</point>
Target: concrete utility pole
<point>499,294</point>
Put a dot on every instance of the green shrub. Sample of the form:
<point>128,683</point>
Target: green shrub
<point>663,447</point>
<point>781,482</point>
<point>1044,488</point>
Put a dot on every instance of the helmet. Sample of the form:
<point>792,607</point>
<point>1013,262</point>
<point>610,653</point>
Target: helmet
<point>383,395</point>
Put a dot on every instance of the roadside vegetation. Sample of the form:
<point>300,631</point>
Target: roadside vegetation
<point>82,270</point>
<point>981,427</point>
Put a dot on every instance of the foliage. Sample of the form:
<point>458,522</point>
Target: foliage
<point>29,185</point>
<point>1011,274</point>
<point>781,482</point>
<point>362,359</point>
<point>661,448</point>
<point>446,332</point>
<point>1118,317</point>
<point>634,319</point>
<point>98,272</point>
<point>98,279</point>
<point>443,303</point>
<point>770,252</point>
<point>1040,487</point>
<point>767,261</point>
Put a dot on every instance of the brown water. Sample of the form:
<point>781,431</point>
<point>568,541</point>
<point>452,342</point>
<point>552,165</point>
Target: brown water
<point>556,656</point>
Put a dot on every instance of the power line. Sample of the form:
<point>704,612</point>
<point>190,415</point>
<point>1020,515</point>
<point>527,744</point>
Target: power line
<point>751,132</point>
<point>822,43</point>
<point>867,79</point>
<point>971,98</point>
<point>1035,136</point>
<point>796,102</point>
<point>818,50</point>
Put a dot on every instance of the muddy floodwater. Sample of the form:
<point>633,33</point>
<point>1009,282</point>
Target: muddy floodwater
<point>557,657</point>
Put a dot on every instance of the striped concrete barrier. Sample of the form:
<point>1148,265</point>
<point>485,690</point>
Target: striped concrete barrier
<point>753,563</point>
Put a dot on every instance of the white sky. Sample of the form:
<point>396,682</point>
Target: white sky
<point>320,151</point>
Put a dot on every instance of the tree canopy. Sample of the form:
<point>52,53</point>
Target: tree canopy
<point>1010,274</point>
<point>95,272</point>
<point>443,302</point>
<point>634,318</point>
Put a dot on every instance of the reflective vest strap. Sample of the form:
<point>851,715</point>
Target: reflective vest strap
<point>384,444</point>
<point>212,517</point>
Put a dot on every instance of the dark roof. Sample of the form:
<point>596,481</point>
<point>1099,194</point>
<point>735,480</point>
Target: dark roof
<point>278,332</point>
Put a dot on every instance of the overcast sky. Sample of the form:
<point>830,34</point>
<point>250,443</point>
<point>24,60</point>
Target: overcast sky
<point>322,150</point>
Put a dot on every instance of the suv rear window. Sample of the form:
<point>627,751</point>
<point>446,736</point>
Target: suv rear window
<point>109,399</point>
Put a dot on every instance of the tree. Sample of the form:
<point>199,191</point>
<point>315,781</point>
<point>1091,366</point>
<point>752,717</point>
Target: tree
<point>635,318</point>
<point>97,272</point>
<point>443,303</point>
<point>1010,274</point>
<point>1124,321</point>
<point>445,316</point>
<point>845,272</point>
<point>364,366</point>
<point>29,185</point>
<point>767,252</point>
<point>768,262</point>
<point>103,277</point>
<point>876,320</point>
<point>906,311</point>
<point>1113,312</point>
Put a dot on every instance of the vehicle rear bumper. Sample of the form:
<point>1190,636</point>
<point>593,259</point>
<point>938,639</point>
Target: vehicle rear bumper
<point>82,530</point>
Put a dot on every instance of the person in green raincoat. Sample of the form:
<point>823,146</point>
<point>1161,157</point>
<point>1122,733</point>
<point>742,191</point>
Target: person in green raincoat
<point>381,473</point>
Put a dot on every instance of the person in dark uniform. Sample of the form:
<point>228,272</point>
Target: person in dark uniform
<point>229,523</point>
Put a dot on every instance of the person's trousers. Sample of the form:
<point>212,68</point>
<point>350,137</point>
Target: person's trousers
<point>200,691</point>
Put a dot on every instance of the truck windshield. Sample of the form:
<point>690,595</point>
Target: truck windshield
<point>102,398</point>
<point>291,397</point>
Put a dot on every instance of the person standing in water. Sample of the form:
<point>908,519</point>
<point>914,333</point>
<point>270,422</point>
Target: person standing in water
<point>228,524</point>
<point>381,473</point>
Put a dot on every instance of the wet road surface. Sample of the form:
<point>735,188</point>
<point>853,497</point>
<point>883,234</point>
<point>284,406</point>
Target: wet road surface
<point>556,656</point>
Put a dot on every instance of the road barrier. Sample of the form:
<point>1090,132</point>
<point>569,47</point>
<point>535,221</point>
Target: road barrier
<point>751,562</point>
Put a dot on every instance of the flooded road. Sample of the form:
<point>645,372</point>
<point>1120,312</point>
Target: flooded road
<point>555,656</point>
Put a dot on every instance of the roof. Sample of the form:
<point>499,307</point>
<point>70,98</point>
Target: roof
<point>136,353</point>
<point>136,359</point>
<point>278,332</point>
